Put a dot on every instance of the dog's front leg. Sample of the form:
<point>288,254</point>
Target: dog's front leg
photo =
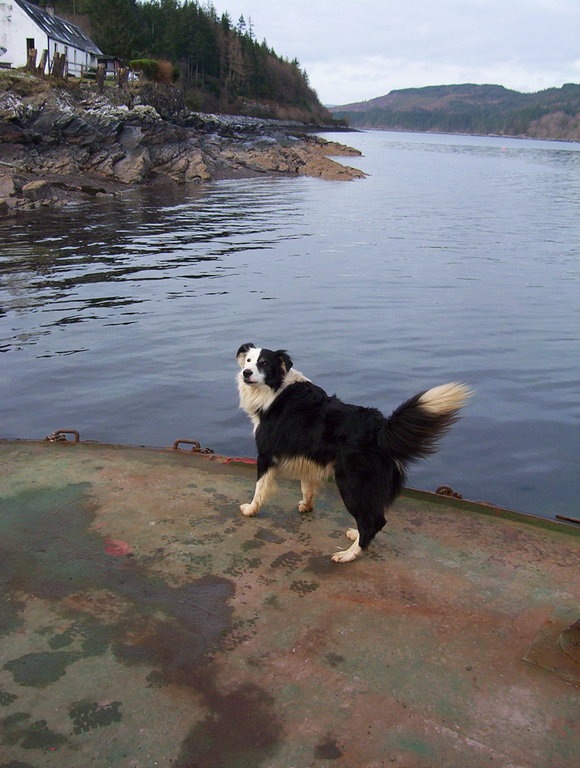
<point>309,490</point>
<point>265,485</point>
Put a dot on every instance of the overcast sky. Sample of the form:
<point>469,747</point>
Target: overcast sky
<point>359,49</point>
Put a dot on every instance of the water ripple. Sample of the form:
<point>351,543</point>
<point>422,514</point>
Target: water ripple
<point>456,259</point>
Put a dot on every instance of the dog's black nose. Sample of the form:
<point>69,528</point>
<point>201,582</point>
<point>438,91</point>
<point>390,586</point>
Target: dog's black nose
<point>247,373</point>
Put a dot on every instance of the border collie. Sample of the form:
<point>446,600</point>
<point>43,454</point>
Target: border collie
<point>307,435</point>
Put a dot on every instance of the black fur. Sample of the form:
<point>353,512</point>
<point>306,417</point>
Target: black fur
<point>368,451</point>
<point>305,422</point>
<point>274,366</point>
<point>244,348</point>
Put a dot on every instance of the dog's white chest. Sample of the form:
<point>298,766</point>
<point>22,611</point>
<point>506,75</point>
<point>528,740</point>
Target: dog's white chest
<point>257,398</point>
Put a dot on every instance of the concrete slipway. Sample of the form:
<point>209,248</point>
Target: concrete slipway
<point>144,622</point>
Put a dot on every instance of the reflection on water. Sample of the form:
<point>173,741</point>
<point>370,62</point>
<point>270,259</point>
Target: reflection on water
<point>456,259</point>
<point>75,264</point>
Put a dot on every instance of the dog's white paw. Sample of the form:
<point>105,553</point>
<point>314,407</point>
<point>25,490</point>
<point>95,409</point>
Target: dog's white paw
<point>303,507</point>
<point>350,554</point>
<point>248,510</point>
<point>346,556</point>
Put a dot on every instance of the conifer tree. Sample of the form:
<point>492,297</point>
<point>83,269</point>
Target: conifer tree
<point>115,26</point>
<point>221,59</point>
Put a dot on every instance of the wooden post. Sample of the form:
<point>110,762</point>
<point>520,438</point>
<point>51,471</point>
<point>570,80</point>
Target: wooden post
<point>58,64</point>
<point>31,60</point>
<point>42,63</point>
<point>101,77</point>
<point>122,76</point>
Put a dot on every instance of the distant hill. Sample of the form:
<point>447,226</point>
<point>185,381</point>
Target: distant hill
<point>475,109</point>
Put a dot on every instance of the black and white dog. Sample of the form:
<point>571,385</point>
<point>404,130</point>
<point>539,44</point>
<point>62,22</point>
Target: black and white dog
<point>307,435</point>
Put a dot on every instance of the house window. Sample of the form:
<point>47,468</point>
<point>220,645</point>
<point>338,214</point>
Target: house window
<point>29,43</point>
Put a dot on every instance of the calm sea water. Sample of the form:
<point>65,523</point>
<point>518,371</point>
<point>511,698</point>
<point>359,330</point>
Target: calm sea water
<point>457,258</point>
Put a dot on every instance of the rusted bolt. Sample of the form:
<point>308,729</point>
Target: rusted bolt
<point>58,436</point>
<point>446,490</point>
<point>195,446</point>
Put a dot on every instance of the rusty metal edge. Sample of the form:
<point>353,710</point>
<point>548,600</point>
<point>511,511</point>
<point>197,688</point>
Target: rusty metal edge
<point>450,502</point>
<point>486,508</point>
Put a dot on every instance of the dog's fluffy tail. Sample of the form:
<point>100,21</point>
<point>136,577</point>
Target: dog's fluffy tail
<point>414,428</point>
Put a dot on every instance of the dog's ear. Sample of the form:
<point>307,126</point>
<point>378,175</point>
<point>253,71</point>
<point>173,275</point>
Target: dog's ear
<point>284,360</point>
<point>244,348</point>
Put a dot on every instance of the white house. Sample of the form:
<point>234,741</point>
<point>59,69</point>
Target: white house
<point>24,25</point>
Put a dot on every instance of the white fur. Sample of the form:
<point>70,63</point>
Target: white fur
<point>445,398</point>
<point>249,360</point>
<point>255,396</point>
<point>265,486</point>
<point>350,554</point>
<point>304,469</point>
<point>311,476</point>
<point>309,490</point>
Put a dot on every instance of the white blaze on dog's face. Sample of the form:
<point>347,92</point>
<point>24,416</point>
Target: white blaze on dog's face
<point>262,367</point>
<point>248,357</point>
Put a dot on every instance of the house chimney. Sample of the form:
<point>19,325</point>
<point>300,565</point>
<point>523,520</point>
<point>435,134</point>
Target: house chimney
<point>48,7</point>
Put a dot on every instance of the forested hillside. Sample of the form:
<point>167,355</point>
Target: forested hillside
<point>476,109</point>
<point>219,62</point>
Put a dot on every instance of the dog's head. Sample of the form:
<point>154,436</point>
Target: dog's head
<point>263,367</point>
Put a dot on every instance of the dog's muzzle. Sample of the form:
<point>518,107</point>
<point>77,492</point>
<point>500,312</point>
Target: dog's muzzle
<point>247,374</point>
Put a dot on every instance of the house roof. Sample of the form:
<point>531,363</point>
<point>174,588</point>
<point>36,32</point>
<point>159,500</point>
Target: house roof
<point>58,29</point>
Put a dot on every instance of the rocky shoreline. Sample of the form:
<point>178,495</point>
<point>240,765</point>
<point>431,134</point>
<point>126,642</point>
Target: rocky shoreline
<point>62,145</point>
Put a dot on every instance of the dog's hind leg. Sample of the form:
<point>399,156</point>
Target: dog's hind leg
<point>366,496</point>
<point>368,527</point>
<point>265,486</point>
<point>309,491</point>
<point>350,554</point>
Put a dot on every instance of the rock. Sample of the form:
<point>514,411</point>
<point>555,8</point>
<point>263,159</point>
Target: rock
<point>37,190</point>
<point>302,158</point>
<point>133,168</point>
<point>11,132</point>
<point>130,136</point>
<point>7,186</point>
<point>133,137</point>
<point>197,169</point>
<point>324,168</point>
<point>263,142</point>
<point>182,163</point>
<point>144,113</point>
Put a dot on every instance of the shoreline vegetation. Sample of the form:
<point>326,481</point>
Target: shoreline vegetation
<point>65,142</point>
